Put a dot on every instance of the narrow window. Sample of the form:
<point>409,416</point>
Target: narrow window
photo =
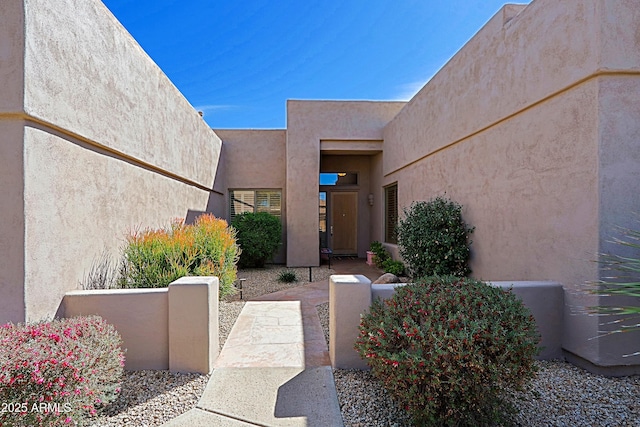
<point>391,213</point>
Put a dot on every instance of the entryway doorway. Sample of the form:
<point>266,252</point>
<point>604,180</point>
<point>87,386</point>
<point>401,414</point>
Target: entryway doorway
<point>343,222</point>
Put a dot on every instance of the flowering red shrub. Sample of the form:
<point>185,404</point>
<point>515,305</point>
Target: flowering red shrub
<point>59,372</point>
<point>447,348</point>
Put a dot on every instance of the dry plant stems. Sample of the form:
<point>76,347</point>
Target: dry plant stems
<point>58,373</point>
<point>623,281</point>
<point>103,273</point>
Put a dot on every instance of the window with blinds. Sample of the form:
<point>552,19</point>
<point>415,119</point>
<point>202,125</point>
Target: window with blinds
<point>241,201</point>
<point>391,213</point>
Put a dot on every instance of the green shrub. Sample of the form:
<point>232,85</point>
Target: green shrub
<point>287,276</point>
<point>58,373</point>
<point>393,267</point>
<point>259,237</point>
<point>445,348</point>
<point>433,239</point>
<point>155,258</point>
<point>380,254</point>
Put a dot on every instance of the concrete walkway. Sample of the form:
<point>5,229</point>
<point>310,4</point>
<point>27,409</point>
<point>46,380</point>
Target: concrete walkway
<point>274,369</point>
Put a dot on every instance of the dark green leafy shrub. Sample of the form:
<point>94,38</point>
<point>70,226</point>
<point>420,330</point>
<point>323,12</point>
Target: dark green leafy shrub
<point>58,373</point>
<point>433,239</point>
<point>155,258</point>
<point>287,276</point>
<point>259,237</point>
<point>380,254</point>
<point>393,267</point>
<point>446,348</point>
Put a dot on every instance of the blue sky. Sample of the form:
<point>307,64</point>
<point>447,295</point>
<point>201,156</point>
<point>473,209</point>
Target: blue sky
<point>239,61</point>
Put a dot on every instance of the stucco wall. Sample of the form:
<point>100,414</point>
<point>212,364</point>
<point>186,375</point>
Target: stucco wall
<point>11,181</point>
<point>254,159</point>
<point>11,56</point>
<point>504,68</point>
<point>78,201</point>
<point>619,185</point>
<point>538,139</point>
<point>309,122</point>
<point>12,252</point>
<point>85,73</point>
<point>141,317</point>
<point>99,142</point>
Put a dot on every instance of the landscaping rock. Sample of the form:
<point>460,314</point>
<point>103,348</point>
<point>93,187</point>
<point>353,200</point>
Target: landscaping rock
<point>387,278</point>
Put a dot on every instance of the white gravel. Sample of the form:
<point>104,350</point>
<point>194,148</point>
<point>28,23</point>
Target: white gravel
<point>265,281</point>
<point>561,395</point>
<point>151,398</point>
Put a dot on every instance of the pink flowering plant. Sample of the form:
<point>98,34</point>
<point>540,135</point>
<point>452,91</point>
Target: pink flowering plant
<point>59,372</point>
<point>448,348</point>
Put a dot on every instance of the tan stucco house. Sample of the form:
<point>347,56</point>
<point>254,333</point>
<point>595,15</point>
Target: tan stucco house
<point>533,126</point>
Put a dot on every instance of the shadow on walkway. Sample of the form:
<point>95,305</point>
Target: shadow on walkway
<point>274,369</point>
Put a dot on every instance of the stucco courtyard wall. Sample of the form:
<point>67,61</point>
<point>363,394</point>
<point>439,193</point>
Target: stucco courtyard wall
<point>533,128</point>
<point>254,160</point>
<point>308,124</point>
<point>98,142</point>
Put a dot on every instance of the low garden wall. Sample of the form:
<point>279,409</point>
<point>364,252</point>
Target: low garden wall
<point>352,295</point>
<point>173,328</point>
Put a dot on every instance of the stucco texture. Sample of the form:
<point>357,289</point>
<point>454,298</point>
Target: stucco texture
<point>11,56</point>
<point>96,142</point>
<point>85,73</point>
<point>12,252</point>
<point>77,202</point>
<point>538,139</point>
<point>254,159</point>
<point>309,122</point>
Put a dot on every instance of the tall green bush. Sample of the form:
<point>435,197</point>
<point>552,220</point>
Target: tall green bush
<point>155,258</point>
<point>447,348</point>
<point>433,239</point>
<point>259,237</point>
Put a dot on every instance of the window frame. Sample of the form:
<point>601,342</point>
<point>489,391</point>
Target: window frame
<point>268,194</point>
<point>391,213</point>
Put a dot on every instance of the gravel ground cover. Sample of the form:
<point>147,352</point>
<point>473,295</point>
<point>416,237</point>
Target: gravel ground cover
<point>561,395</point>
<point>262,281</point>
<point>151,398</point>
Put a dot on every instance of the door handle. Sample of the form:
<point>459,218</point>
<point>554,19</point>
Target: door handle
<point>332,230</point>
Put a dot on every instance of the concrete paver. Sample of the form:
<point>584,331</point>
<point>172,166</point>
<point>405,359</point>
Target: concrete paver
<point>274,369</point>
<point>274,396</point>
<point>200,418</point>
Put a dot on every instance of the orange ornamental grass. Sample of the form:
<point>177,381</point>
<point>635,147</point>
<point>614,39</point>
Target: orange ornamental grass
<point>155,258</point>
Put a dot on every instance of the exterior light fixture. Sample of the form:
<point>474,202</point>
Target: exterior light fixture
<point>370,198</point>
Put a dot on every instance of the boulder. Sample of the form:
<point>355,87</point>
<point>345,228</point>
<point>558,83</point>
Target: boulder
<point>387,278</point>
